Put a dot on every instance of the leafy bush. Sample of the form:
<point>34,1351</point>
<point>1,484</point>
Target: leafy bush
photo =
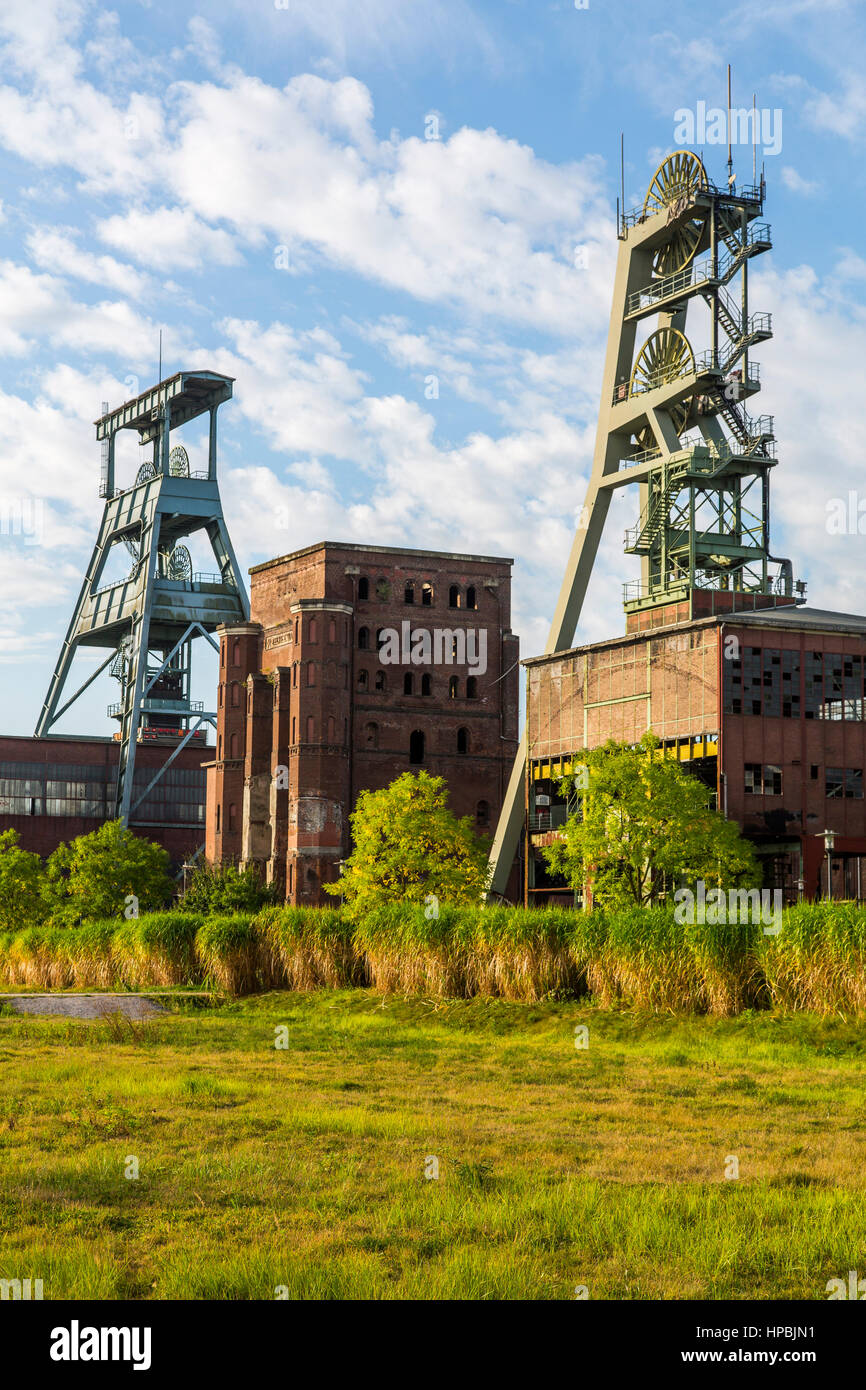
<point>23,899</point>
<point>98,876</point>
<point>224,888</point>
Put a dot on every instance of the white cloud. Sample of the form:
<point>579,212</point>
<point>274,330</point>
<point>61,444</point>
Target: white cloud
<point>39,306</point>
<point>57,250</point>
<point>168,239</point>
<point>797,184</point>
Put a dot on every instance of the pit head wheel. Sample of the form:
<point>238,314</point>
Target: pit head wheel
<point>178,462</point>
<point>665,356</point>
<point>677,180</point>
<point>180,563</point>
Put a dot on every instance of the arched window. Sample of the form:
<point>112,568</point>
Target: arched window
<point>219,748</point>
<point>409,592</point>
<point>311,728</point>
<point>236,654</point>
<point>233,812</point>
<point>221,697</point>
<point>332,729</point>
<point>363,639</point>
<point>471,601</point>
<point>294,730</point>
<point>236,693</point>
<point>332,631</point>
<point>291,877</point>
<point>454,596</point>
<point>453,688</point>
<point>363,587</point>
<point>362,680</point>
<point>380,680</point>
<point>371,735</point>
<point>314,630</point>
<point>471,687</point>
<point>416,747</point>
<point>296,629</point>
<point>462,740</point>
<point>233,746</point>
<point>482,813</point>
<point>427,595</point>
<point>426,684</point>
<point>218,819</point>
<point>311,673</point>
<point>295,674</point>
<point>408,683</point>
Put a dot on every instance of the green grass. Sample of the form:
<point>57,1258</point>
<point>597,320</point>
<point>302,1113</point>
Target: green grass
<point>303,1167</point>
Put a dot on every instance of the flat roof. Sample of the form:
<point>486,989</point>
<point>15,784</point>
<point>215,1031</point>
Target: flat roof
<point>360,546</point>
<point>187,394</point>
<point>811,619</point>
<point>790,616</point>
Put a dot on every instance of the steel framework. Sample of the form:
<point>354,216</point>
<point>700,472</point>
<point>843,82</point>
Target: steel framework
<point>149,619</point>
<point>675,423</point>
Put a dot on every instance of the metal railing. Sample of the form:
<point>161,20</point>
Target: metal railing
<point>180,707</point>
<point>693,276</point>
<point>553,819</point>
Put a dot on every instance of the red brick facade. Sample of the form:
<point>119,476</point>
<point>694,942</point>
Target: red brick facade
<point>309,715</point>
<point>769,708</point>
<point>54,789</point>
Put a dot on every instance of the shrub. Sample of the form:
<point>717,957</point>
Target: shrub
<point>224,889</point>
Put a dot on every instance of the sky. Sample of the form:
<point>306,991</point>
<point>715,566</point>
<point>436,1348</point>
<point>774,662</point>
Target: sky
<point>393,223</point>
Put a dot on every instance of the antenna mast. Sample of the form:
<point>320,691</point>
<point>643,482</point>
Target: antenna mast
<point>730,159</point>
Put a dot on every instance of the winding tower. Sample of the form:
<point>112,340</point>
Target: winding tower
<point>676,422</point>
<point>148,620</point>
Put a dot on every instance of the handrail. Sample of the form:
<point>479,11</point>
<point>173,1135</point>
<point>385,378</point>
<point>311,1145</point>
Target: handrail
<point>692,276</point>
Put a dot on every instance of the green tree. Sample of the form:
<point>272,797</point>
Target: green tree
<point>221,888</point>
<point>642,824</point>
<point>109,873</point>
<point>22,884</point>
<point>409,845</point>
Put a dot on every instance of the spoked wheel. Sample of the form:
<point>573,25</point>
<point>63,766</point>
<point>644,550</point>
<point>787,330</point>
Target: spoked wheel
<point>666,355</point>
<point>679,250</point>
<point>644,441</point>
<point>677,178</point>
<point>180,563</point>
<point>178,462</point>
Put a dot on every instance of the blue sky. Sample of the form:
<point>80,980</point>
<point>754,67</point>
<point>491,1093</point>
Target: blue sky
<point>257,182</point>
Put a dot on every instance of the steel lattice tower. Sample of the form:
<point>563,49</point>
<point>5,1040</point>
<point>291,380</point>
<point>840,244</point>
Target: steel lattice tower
<point>148,620</point>
<point>675,422</point>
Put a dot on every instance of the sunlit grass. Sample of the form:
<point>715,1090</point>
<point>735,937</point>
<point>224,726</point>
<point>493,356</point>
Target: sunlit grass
<point>303,1167</point>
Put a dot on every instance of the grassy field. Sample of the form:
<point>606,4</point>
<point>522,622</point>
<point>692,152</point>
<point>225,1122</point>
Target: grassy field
<point>303,1167</point>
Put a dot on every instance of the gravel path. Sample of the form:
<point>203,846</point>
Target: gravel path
<point>83,1005</point>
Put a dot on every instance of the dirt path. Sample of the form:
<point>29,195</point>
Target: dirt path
<point>83,1005</point>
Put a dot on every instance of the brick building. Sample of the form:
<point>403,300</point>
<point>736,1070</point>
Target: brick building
<point>769,708</point>
<point>53,789</point>
<point>359,663</point>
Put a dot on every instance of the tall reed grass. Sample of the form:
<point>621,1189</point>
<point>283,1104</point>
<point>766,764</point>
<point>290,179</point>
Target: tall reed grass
<point>643,957</point>
<point>308,948</point>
